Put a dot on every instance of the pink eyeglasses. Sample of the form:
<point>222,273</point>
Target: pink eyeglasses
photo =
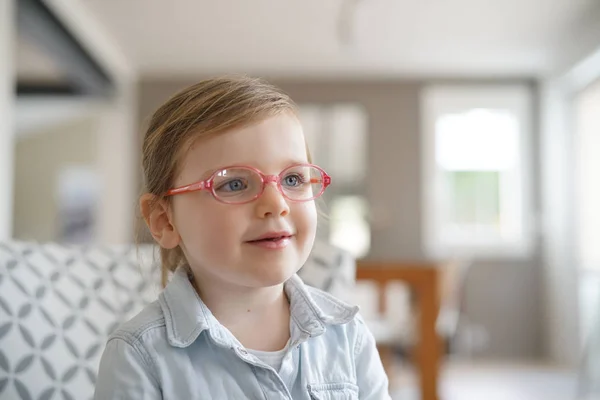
<point>241,184</point>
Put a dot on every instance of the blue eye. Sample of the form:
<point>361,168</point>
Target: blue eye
<point>293,180</point>
<point>234,185</point>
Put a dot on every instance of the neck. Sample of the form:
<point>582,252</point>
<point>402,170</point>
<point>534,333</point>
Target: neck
<point>227,301</point>
<point>257,317</point>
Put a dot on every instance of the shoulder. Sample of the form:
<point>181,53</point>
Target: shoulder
<point>339,314</point>
<point>330,309</point>
<point>148,321</point>
<point>323,298</point>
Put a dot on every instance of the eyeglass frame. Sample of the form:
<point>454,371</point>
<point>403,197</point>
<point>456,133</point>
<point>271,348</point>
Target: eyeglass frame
<point>207,184</point>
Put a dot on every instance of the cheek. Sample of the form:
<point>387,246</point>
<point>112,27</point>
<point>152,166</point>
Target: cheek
<point>208,229</point>
<point>306,219</point>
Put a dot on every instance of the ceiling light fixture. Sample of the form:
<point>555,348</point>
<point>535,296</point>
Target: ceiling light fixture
<point>346,22</point>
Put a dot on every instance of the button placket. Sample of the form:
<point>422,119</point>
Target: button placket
<point>274,377</point>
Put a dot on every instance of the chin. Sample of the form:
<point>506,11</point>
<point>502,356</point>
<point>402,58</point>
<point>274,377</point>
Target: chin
<point>271,275</point>
<point>270,268</point>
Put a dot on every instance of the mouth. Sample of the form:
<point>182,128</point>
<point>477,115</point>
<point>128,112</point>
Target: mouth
<point>273,240</point>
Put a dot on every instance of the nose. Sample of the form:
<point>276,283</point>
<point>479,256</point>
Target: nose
<point>272,203</point>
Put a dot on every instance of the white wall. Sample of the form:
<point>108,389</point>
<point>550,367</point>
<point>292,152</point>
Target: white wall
<point>561,241</point>
<point>69,129</point>
<point>117,126</point>
<point>40,158</point>
<point>561,327</point>
<point>587,109</point>
<point>7,100</point>
<point>587,112</point>
<point>117,157</point>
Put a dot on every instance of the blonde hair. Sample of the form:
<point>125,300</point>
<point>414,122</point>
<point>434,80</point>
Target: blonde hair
<point>210,107</point>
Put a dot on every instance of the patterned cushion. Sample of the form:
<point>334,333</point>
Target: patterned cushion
<point>57,307</point>
<point>59,304</point>
<point>330,269</point>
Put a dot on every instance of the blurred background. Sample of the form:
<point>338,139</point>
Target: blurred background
<point>459,129</point>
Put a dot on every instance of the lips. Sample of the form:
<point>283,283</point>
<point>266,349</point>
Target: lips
<point>272,236</point>
<point>272,240</point>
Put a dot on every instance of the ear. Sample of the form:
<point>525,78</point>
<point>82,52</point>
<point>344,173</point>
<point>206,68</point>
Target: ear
<point>158,217</point>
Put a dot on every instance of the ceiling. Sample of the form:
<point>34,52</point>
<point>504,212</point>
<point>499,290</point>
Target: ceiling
<point>338,38</point>
<point>351,37</point>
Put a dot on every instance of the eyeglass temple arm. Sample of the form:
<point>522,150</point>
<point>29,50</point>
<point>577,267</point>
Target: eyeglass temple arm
<point>326,180</point>
<point>188,188</point>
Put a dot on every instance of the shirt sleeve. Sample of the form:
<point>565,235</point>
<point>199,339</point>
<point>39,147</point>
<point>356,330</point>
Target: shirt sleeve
<point>370,375</point>
<point>125,373</point>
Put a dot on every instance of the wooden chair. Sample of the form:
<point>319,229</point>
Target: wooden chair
<point>437,297</point>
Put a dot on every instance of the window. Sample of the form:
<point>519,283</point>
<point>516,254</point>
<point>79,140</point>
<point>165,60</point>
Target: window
<point>349,225</point>
<point>476,183</point>
<point>337,138</point>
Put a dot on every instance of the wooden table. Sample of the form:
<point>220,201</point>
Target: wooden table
<point>423,279</point>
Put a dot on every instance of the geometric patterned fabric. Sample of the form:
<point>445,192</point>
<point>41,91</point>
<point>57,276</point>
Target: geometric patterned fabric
<point>59,304</point>
<point>57,307</point>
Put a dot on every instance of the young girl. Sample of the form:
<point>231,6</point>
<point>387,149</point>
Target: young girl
<point>230,201</point>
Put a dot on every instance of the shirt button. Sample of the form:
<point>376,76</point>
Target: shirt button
<point>243,351</point>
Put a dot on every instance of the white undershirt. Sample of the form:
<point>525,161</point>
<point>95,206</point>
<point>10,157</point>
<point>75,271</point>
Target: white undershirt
<point>271,358</point>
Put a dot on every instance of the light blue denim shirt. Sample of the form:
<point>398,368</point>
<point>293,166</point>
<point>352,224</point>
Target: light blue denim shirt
<point>175,349</point>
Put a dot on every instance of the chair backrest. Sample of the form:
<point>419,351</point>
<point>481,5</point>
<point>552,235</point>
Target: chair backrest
<point>453,279</point>
<point>58,304</point>
<point>57,307</point>
<point>331,269</point>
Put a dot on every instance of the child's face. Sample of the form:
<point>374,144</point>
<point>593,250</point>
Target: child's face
<point>216,237</point>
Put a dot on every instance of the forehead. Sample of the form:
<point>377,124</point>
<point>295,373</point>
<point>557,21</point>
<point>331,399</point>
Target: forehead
<point>269,145</point>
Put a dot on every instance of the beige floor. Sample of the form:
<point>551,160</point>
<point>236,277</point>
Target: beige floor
<point>495,381</point>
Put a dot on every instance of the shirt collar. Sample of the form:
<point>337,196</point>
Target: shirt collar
<point>186,315</point>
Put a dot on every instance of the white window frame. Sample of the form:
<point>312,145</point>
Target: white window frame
<point>437,100</point>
